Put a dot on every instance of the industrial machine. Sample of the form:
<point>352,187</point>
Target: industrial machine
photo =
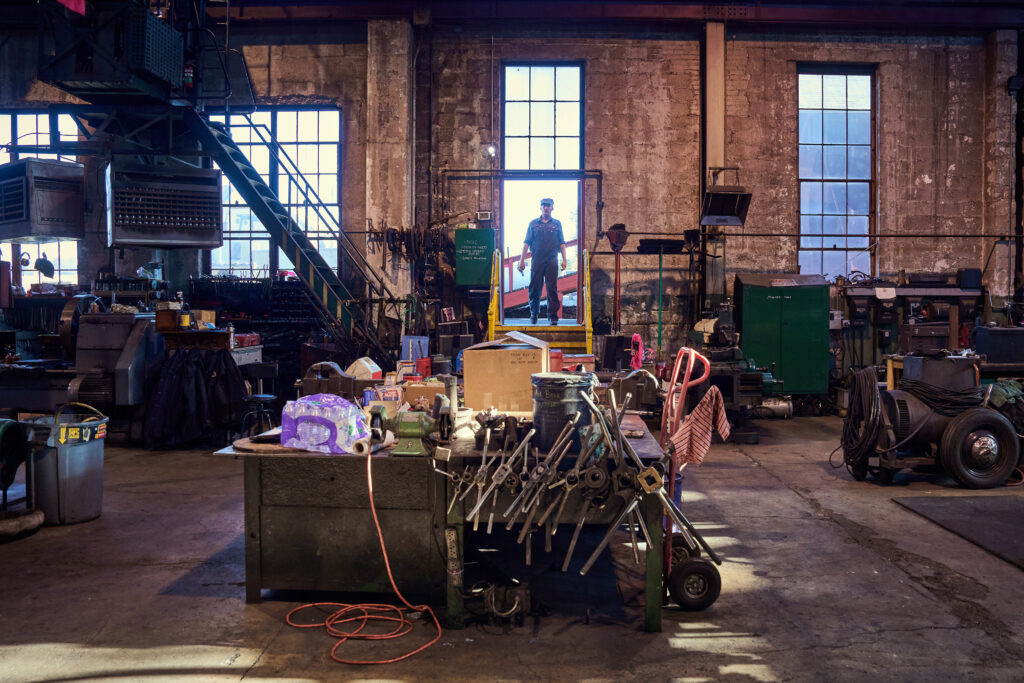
<point>41,200</point>
<point>938,403</point>
<point>108,352</point>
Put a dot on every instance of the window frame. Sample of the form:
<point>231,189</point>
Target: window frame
<point>273,181</point>
<point>840,69</point>
<point>65,275</point>
<point>511,63</point>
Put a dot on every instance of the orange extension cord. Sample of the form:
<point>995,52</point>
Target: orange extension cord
<point>362,615</point>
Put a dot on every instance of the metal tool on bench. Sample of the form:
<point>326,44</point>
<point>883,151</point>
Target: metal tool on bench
<point>411,428</point>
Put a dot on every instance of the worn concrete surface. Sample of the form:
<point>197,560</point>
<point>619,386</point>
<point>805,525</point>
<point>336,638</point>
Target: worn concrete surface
<point>824,578</point>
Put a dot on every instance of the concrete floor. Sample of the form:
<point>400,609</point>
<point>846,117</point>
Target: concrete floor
<point>825,578</point>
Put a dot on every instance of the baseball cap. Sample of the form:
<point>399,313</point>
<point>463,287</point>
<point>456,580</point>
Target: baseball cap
<point>548,201</point>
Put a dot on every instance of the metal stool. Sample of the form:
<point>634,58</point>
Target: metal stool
<point>259,417</point>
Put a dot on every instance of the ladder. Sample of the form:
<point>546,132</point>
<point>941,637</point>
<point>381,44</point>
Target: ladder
<point>350,313</point>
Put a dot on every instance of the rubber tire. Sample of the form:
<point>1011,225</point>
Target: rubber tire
<point>957,432</point>
<point>694,569</point>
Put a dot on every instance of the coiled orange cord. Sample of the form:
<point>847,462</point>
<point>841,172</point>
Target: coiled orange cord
<point>362,615</point>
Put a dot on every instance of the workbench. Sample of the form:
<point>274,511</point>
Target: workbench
<point>308,525</point>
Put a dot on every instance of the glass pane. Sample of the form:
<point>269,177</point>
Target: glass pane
<point>834,127</point>
<point>567,118</point>
<point>809,91</point>
<point>833,263</point>
<point>517,83</point>
<point>859,128</point>
<point>542,153</point>
<point>859,261</point>
<point>329,251</point>
<point>287,126</point>
<point>240,131</point>
<point>328,158</point>
<point>67,253</point>
<point>283,262</point>
<point>261,255</point>
<point>330,125</point>
<point>517,118</point>
<point>860,162</point>
<point>542,118</point>
<point>858,92</point>
<point>567,153</point>
<point>308,126</point>
<point>259,156</point>
<point>328,189</point>
<point>810,161</point>
<point>307,158</point>
<point>66,126</point>
<point>219,257</point>
<point>567,83</point>
<point>240,254</point>
<point>833,92</point>
<point>810,262</point>
<point>833,198</point>
<point>810,232</point>
<point>857,229</point>
<point>858,198</point>
<point>810,197</point>
<point>542,83</point>
<point>835,161</point>
<point>810,126</point>
<point>517,153</point>
<point>833,230</point>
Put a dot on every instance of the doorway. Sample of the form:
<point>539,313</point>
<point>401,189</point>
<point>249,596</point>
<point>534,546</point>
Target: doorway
<point>520,205</point>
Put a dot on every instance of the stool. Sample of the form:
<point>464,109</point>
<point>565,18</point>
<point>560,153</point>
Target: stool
<point>259,416</point>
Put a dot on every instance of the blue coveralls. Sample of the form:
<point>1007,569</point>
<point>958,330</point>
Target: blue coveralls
<point>544,240</point>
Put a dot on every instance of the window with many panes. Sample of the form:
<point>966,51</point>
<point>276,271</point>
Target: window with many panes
<point>33,128</point>
<point>836,162</point>
<point>542,117</point>
<point>311,139</point>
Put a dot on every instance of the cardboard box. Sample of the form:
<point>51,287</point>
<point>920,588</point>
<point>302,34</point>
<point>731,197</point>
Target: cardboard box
<point>425,390</point>
<point>204,316</point>
<point>167,321</point>
<point>497,373</point>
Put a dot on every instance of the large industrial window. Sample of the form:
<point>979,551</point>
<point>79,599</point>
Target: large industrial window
<point>311,138</point>
<point>836,162</point>
<point>543,131</point>
<point>33,128</point>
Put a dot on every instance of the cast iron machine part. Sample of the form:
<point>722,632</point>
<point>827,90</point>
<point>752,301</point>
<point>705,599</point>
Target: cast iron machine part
<point>887,431</point>
<point>412,429</point>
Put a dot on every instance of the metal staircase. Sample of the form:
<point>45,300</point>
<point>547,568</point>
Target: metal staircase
<point>351,313</point>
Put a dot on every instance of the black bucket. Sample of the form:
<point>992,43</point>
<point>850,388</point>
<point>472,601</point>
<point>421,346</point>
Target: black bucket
<point>556,396</point>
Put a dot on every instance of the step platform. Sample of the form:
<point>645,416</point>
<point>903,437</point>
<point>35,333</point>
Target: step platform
<point>568,335</point>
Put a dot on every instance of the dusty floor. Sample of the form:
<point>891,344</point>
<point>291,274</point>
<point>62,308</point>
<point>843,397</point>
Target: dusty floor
<point>825,578</point>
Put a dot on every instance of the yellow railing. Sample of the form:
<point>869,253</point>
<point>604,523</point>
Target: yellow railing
<point>585,300</point>
<point>493,308</point>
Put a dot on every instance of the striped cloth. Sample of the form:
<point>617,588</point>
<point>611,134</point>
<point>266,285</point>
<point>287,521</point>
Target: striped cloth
<point>692,440</point>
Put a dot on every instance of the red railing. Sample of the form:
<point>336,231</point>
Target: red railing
<point>520,296</point>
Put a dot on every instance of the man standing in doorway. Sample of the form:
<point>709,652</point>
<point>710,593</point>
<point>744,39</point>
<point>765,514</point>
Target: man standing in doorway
<point>544,238</point>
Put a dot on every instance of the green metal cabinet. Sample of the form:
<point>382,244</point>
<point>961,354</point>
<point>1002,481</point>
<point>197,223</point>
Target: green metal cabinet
<point>783,319</point>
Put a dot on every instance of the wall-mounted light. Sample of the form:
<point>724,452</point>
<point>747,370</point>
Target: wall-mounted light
<point>490,151</point>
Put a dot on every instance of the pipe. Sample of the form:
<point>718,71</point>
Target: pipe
<point>361,447</point>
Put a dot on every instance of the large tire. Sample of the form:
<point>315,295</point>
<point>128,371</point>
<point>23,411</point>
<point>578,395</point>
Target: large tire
<point>979,448</point>
<point>694,584</point>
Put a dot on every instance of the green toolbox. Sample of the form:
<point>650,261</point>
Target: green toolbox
<point>783,320</point>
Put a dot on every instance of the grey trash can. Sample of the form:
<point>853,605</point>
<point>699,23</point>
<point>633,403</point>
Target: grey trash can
<point>67,463</point>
